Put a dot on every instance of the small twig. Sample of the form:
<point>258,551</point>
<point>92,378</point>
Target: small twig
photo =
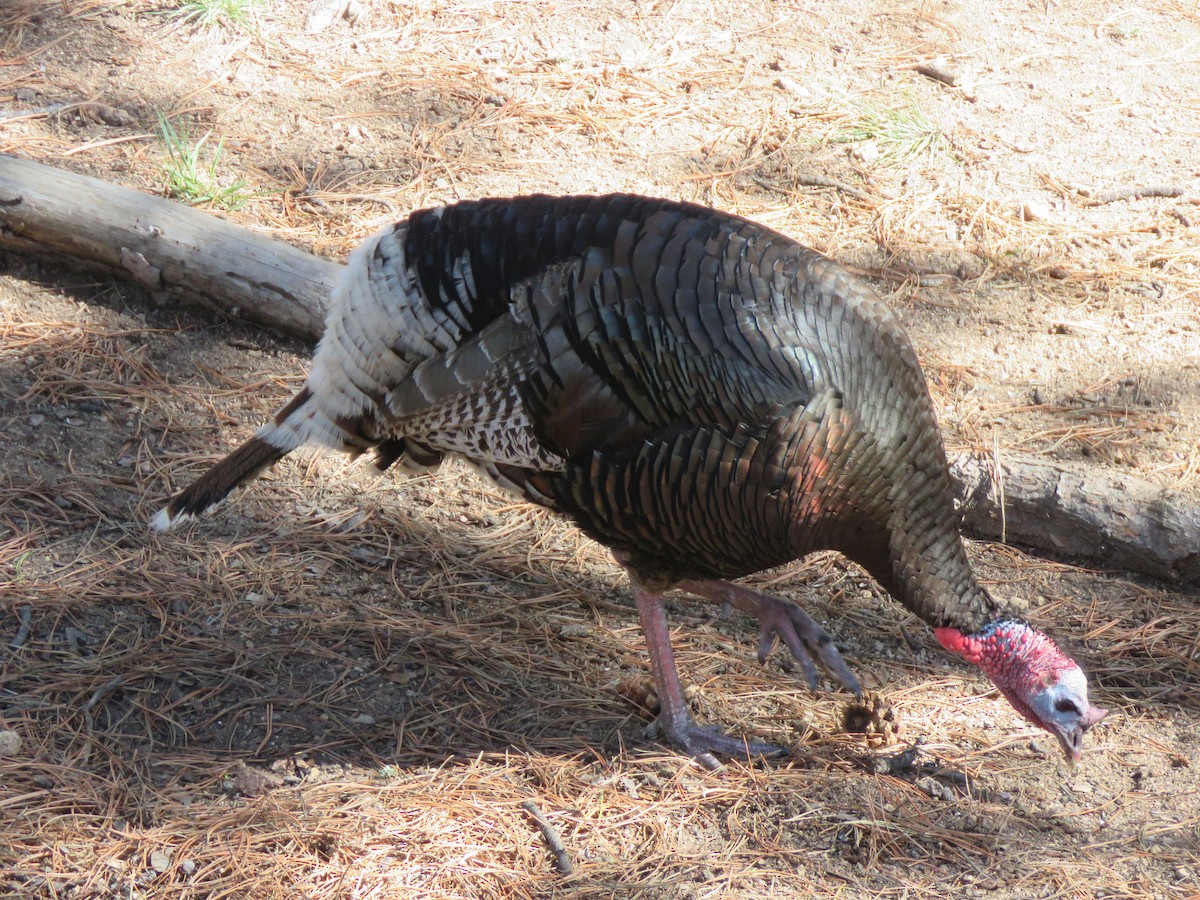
<point>1181,216</point>
<point>823,181</point>
<point>33,113</point>
<point>936,69</point>
<point>25,616</point>
<point>913,644</point>
<point>101,692</point>
<point>562,861</point>
<point>813,181</point>
<point>998,478</point>
<point>1134,192</point>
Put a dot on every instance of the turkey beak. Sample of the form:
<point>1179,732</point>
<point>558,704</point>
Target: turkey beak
<point>1072,741</point>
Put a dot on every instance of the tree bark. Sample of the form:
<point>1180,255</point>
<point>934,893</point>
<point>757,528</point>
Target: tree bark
<point>1066,510</point>
<point>1080,511</point>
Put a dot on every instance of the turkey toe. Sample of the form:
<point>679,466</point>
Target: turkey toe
<point>706,742</point>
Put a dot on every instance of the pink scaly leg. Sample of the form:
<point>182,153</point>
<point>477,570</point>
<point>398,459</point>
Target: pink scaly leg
<point>674,721</point>
<point>804,637</point>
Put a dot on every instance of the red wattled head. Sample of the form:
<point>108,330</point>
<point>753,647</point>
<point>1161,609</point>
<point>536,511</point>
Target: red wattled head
<point>1041,682</point>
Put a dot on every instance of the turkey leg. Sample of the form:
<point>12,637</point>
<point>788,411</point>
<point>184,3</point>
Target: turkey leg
<point>674,721</point>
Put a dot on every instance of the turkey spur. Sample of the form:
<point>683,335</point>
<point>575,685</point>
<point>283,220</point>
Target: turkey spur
<point>701,394</point>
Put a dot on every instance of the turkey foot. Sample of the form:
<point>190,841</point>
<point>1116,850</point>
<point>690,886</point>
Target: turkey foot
<point>705,742</point>
<point>674,722</point>
<point>780,619</point>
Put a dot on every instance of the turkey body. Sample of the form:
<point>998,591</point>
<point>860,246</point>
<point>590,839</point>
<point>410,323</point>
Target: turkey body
<point>703,395</point>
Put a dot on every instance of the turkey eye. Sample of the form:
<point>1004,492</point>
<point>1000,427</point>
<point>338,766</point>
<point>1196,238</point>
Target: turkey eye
<point>1067,706</point>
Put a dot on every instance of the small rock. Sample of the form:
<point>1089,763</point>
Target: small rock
<point>10,743</point>
<point>188,866</point>
<point>867,152</point>
<point>104,114</point>
<point>935,788</point>
<point>1034,211</point>
<point>160,861</point>
<point>323,13</point>
<point>253,782</point>
<point>793,87</point>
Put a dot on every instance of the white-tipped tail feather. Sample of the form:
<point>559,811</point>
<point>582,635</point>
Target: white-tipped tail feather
<point>272,442</point>
<point>164,521</point>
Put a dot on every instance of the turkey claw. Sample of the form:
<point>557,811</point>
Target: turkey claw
<point>704,742</point>
<point>808,641</point>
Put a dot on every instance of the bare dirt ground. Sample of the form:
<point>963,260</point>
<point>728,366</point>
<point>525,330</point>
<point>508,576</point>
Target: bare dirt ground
<point>344,686</point>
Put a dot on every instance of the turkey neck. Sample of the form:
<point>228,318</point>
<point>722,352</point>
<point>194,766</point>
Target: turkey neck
<point>918,555</point>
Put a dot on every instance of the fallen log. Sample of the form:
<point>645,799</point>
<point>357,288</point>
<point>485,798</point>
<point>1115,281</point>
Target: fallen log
<point>1082,512</point>
<point>1064,510</point>
<point>161,244</point>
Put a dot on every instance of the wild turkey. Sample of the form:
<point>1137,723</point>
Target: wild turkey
<point>701,394</point>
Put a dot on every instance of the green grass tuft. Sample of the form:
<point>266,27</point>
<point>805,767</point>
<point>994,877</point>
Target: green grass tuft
<point>207,13</point>
<point>188,179</point>
<point>900,132</point>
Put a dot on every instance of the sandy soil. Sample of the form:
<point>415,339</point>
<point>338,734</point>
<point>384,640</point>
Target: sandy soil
<point>345,686</point>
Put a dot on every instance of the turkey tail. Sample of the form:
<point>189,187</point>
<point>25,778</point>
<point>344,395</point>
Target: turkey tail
<point>213,486</point>
<point>297,423</point>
